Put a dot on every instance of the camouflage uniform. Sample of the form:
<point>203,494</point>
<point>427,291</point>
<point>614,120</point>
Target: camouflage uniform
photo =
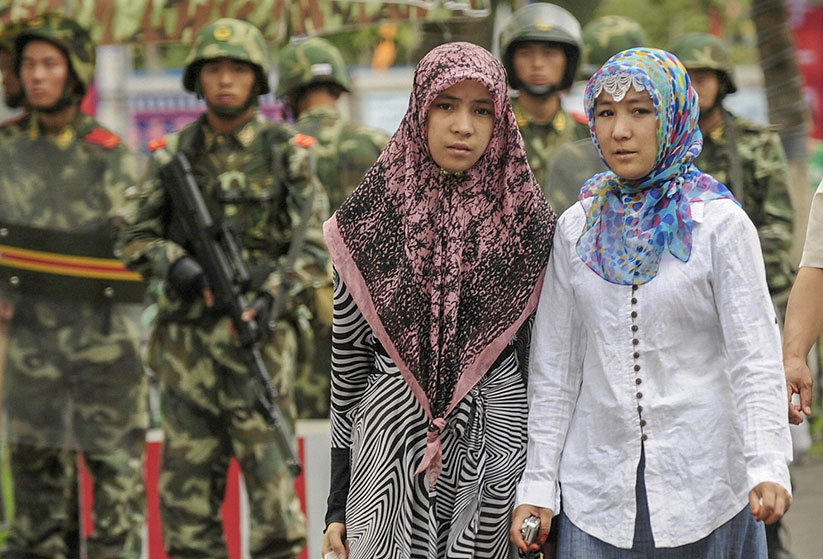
<point>73,378</point>
<point>551,24</point>
<point>749,159</point>
<point>542,142</point>
<point>345,150</point>
<point>764,188</point>
<point>257,179</point>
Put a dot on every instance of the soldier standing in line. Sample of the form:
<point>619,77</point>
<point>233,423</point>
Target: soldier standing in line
<point>744,155</point>
<point>540,46</point>
<point>73,379</point>
<point>749,159</point>
<point>312,77</point>
<point>573,163</point>
<point>255,177</point>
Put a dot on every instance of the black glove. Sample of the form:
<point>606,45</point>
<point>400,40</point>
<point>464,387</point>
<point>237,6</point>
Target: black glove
<point>187,278</point>
<point>263,305</point>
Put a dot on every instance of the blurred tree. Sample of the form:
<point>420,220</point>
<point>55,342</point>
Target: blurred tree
<point>787,107</point>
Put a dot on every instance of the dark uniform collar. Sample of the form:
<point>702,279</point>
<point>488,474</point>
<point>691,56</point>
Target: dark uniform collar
<point>322,111</point>
<point>243,136</point>
<point>717,133</point>
<point>559,123</point>
<point>78,127</point>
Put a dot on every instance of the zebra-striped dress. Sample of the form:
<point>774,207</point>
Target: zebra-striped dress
<point>381,428</point>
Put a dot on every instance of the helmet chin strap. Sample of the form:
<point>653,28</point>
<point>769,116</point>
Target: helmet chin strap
<point>14,101</point>
<point>230,112</point>
<point>540,90</point>
<point>59,105</point>
<point>68,98</point>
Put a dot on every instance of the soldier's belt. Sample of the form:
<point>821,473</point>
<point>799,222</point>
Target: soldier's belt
<point>65,265</point>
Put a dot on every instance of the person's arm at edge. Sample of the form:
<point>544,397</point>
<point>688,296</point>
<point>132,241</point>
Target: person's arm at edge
<point>804,321</point>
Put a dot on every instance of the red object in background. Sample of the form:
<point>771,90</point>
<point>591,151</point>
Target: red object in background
<point>89,103</point>
<point>808,24</point>
<point>230,509</point>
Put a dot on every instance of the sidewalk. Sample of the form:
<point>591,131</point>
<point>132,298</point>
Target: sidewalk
<point>805,535</point>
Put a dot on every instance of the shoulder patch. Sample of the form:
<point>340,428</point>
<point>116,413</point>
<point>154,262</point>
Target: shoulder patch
<point>304,140</point>
<point>157,143</point>
<point>103,137</point>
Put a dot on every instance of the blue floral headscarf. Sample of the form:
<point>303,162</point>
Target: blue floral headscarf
<point>630,223</point>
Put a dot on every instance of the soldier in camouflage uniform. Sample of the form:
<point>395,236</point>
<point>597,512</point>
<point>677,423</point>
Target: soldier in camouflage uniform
<point>540,46</point>
<point>749,159</point>
<point>312,77</point>
<point>254,175</point>
<point>745,156</point>
<point>73,378</point>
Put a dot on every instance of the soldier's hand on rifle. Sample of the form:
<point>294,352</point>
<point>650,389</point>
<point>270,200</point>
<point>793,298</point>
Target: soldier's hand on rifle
<point>260,311</point>
<point>188,279</point>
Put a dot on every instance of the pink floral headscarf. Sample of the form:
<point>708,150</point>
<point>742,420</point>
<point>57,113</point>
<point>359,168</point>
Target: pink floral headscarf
<point>445,267</point>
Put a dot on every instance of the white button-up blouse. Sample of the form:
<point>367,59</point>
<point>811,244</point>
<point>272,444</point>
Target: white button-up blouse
<point>689,365</point>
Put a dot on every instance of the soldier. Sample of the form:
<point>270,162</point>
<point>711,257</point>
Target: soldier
<point>742,154</point>
<point>73,378</point>
<point>312,77</point>
<point>540,46</point>
<point>255,177</point>
<point>750,160</point>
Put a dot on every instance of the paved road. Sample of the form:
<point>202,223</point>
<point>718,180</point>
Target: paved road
<point>804,520</point>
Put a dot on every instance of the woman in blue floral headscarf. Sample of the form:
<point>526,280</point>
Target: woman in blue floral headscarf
<point>656,395</point>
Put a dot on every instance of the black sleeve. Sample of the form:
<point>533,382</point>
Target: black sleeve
<point>339,489</point>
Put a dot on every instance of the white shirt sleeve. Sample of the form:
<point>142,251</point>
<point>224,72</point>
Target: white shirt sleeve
<point>752,341</point>
<point>813,247</point>
<point>555,373</point>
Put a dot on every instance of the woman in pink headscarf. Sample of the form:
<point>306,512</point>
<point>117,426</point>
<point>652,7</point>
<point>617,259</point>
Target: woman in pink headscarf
<point>439,258</point>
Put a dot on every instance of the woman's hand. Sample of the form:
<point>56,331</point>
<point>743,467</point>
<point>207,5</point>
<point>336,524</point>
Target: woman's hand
<point>334,542</point>
<point>798,381</point>
<point>769,501</point>
<point>520,514</point>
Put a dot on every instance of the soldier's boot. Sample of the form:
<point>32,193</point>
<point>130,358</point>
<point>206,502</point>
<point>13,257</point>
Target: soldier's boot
<point>777,549</point>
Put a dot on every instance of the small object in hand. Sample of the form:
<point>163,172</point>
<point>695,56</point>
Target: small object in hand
<point>330,555</point>
<point>530,529</point>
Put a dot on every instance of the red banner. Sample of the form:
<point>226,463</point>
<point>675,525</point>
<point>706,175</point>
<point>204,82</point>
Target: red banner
<point>808,30</point>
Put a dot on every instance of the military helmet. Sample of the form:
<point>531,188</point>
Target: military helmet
<point>308,62</point>
<point>8,35</point>
<point>547,23</point>
<point>228,38</point>
<point>604,37</point>
<point>703,51</point>
<point>67,35</point>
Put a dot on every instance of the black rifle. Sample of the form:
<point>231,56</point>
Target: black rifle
<point>214,246</point>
